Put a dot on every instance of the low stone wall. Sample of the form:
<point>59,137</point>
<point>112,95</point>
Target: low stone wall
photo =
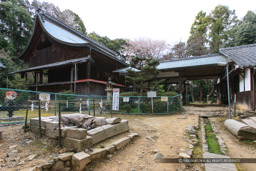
<point>78,161</point>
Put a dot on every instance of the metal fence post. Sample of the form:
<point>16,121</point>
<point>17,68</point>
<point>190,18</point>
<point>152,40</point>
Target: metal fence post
<point>26,118</point>
<point>59,126</point>
<point>55,104</point>
<point>39,115</point>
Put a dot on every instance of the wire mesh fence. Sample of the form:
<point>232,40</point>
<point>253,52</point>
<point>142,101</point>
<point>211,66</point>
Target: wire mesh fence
<point>14,104</point>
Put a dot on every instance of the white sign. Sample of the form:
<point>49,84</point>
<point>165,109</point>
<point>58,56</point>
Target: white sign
<point>115,102</point>
<point>151,94</point>
<point>125,99</point>
<point>44,97</point>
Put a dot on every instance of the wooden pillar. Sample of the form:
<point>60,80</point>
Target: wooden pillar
<point>71,77</point>
<point>88,73</point>
<point>75,79</point>
<point>253,90</point>
<point>36,80</point>
<point>41,77</point>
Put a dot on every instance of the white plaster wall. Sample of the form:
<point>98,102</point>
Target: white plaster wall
<point>241,83</point>
<point>247,79</point>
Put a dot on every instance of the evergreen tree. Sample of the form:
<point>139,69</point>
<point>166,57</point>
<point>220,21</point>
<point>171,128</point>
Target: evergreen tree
<point>147,75</point>
<point>245,31</point>
<point>196,44</point>
<point>221,22</point>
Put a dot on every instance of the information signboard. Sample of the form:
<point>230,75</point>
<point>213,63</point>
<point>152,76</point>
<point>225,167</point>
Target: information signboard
<point>115,102</point>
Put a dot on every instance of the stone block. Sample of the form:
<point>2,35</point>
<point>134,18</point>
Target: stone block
<point>35,129</point>
<point>101,133</point>
<point>66,156</point>
<point>110,149</point>
<point>78,145</point>
<point>52,133</point>
<point>97,134</point>
<point>51,125</point>
<point>59,166</point>
<point>100,121</point>
<point>98,153</point>
<point>133,136</point>
<point>76,133</point>
<point>113,120</point>
<point>121,142</point>
<point>122,127</point>
<point>80,160</point>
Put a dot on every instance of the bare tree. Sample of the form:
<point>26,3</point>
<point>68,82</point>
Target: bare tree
<point>145,47</point>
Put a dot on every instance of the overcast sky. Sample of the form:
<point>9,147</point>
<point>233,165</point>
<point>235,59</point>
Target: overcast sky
<point>168,20</point>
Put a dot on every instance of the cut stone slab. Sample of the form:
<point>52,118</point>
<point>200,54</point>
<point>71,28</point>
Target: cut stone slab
<point>113,120</point>
<point>98,153</point>
<point>110,149</point>
<point>240,130</point>
<point>66,156</point>
<point>250,122</point>
<point>13,118</point>
<point>100,121</point>
<point>132,136</point>
<point>76,133</point>
<point>78,145</point>
<point>101,133</point>
<point>121,142</point>
<point>80,160</point>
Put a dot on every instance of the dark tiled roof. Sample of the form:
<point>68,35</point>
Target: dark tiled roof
<point>244,56</point>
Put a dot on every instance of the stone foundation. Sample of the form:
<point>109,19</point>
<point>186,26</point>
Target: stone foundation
<point>79,138</point>
<point>79,161</point>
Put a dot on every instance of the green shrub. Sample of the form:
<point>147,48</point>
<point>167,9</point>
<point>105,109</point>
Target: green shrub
<point>160,106</point>
<point>129,94</point>
<point>169,93</point>
<point>126,108</point>
<point>145,108</point>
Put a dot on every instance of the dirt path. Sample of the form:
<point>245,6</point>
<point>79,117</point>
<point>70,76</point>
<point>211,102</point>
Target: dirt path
<point>236,148</point>
<point>164,133</point>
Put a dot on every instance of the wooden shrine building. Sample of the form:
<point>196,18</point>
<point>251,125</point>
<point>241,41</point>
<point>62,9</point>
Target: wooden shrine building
<point>61,58</point>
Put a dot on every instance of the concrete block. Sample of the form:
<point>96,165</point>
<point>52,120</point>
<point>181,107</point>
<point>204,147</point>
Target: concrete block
<point>80,160</point>
<point>113,120</point>
<point>66,156</point>
<point>76,133</point>
<point>121,142</point>
<point>98,153</point>
<point>78,145</point>
<point>110,149</point>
